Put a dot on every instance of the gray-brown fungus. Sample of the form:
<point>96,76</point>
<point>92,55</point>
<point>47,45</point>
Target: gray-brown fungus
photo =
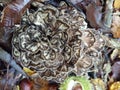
<point>56,42</point>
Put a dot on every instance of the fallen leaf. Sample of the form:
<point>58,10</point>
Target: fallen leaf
<point>16,87</point>
<point>94,18</point>
<point>28,71</point>
<point>115,86</point>
<point>116,25</point>
<point>98,83</point>
<point>40,84</point>
<point>25,84</point>
<point>117,4</point>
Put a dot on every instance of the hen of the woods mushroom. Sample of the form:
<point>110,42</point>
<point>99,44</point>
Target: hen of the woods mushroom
<point>56,42</point>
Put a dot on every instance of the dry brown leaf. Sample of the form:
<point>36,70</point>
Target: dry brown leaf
<point>117,4</point>
<point>13,12</point>
<point>116,25</point>
<point>25,84</point>
<point>40,84</point>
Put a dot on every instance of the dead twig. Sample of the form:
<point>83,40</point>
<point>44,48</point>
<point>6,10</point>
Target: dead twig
<point>108,13</point>
<point>7,78</point>
<point>6,57</point>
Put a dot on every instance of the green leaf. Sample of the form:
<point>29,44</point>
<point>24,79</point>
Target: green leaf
<point>70,82</point>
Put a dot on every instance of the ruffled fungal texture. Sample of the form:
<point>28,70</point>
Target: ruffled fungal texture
<point>54,41</point>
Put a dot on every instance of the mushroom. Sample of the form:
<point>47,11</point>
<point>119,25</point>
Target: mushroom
<point>56,43</point>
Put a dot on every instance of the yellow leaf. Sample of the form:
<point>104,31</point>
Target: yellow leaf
<point>115,86</point>
<point>98,83</point>
<point>16,87</point>
<point>28,71</point>
<point>117,4</point>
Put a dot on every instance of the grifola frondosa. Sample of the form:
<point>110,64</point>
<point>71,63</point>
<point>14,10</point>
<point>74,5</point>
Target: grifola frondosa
<point>53,40</point>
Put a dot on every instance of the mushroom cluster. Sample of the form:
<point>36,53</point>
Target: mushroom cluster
<point>56,41</point>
